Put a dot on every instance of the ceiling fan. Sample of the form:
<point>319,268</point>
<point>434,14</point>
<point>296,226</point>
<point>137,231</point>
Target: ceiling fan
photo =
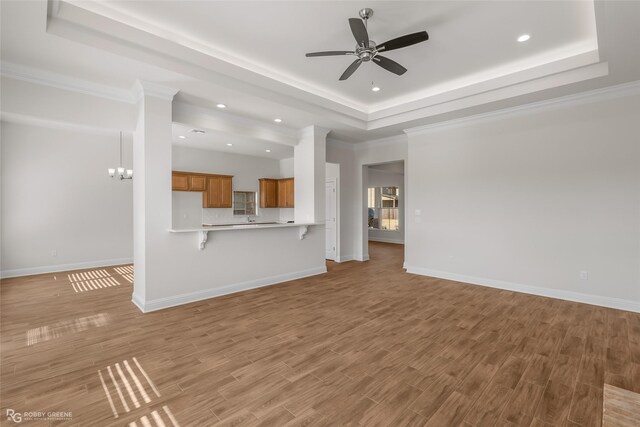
<point>366,50</point>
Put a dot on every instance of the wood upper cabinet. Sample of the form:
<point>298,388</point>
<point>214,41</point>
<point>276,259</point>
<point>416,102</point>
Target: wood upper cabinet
<point>179,182</point>
<point>197,182</point>
<point>276,193</point>
<point>282,193</point>
<point>219,192</point>
<point>187,181</point>
<point>289,192</point>
<point>268,193</point>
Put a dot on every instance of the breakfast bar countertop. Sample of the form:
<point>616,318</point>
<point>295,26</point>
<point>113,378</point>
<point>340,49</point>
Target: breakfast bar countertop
<point>240,226</point>
<point>203,231</point>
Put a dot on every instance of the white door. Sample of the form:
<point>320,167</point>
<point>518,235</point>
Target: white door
<point>330,215</point>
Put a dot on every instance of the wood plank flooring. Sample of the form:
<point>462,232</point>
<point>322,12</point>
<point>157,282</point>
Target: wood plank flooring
<point>621,407</point>
<point>365,344</point>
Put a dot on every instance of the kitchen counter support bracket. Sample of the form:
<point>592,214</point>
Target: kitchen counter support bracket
<point>302,231</point>
<point>202,239</point>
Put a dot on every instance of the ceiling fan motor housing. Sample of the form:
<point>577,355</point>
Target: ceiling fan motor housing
<point>367,53</point>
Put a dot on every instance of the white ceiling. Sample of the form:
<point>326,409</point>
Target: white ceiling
<point>217,141</point>
<point>250,56</point>
<point>469,41</point>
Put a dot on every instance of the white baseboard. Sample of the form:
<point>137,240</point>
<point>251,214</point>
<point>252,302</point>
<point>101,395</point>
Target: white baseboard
<point>167,302</point>
<point>617,303</point>
<point>63,267</point>
<point>346,258</point>
<point>383,240</point>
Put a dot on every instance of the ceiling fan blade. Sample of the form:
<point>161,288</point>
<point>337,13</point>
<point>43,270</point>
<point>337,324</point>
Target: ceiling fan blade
<point>359,31</point>
<point>331,53</point>
<point>403,41</point>
<point>389,65</point>
<point>351,69</point>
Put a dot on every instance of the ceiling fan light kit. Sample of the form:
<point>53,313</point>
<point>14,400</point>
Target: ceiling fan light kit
<point>366,50</point>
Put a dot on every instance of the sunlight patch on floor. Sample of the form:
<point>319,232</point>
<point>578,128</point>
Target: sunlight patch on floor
<point>158,420</point>
<point>125,380</point>
<point>92,280</point>
<point>66,327</point>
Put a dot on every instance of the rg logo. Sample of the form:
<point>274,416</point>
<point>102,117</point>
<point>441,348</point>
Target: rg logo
<point>14,416</point>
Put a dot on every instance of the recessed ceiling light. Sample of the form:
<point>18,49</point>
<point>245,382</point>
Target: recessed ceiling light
<point>277,120</point>
<point>182,137</point>
<point>268,151</point>
<point>375,89</point>
<point>229,144</point>
<point>221,106</point>
<point>524,38</point>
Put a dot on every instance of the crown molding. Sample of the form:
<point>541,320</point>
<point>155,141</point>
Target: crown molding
<point>59,81</point>
<point>54,124</point>
<point>609,92</point>
<point>315,130</point>
<point>146,88</point>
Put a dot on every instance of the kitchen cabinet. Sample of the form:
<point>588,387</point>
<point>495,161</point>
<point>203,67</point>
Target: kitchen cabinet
<point>188,181</point>
<point>217,190</point>
<point>197,182</point>
<point>285,193</point>
<point>179,182</point>
<point>218,193</point>
<point>268,193</point>
<point>277,193</point>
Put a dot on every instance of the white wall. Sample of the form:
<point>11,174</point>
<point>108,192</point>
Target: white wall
<point>286,168</point>
<point>57,196</point>
<point>246,171</point>
<point>378,178</point>
<point>528,200</point>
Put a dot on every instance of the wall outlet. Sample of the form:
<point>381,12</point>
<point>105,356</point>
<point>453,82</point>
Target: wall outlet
<point>54,253</point>
<point>584,275</point>
<point>418,212</point>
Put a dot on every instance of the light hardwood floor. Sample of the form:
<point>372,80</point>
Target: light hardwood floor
<point>364,344</point>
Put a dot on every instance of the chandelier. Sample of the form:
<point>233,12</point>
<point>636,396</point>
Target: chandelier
<point>120,169</point>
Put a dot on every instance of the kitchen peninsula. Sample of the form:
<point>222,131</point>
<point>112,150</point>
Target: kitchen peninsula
<point>203,231</point>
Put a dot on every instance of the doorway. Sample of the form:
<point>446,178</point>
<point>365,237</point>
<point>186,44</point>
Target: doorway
<point>384,188</point>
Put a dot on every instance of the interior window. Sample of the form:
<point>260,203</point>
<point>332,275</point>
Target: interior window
<point>244,202</point>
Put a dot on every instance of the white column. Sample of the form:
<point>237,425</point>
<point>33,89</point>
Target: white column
<point>151,181</point>
<point>309,172</point>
